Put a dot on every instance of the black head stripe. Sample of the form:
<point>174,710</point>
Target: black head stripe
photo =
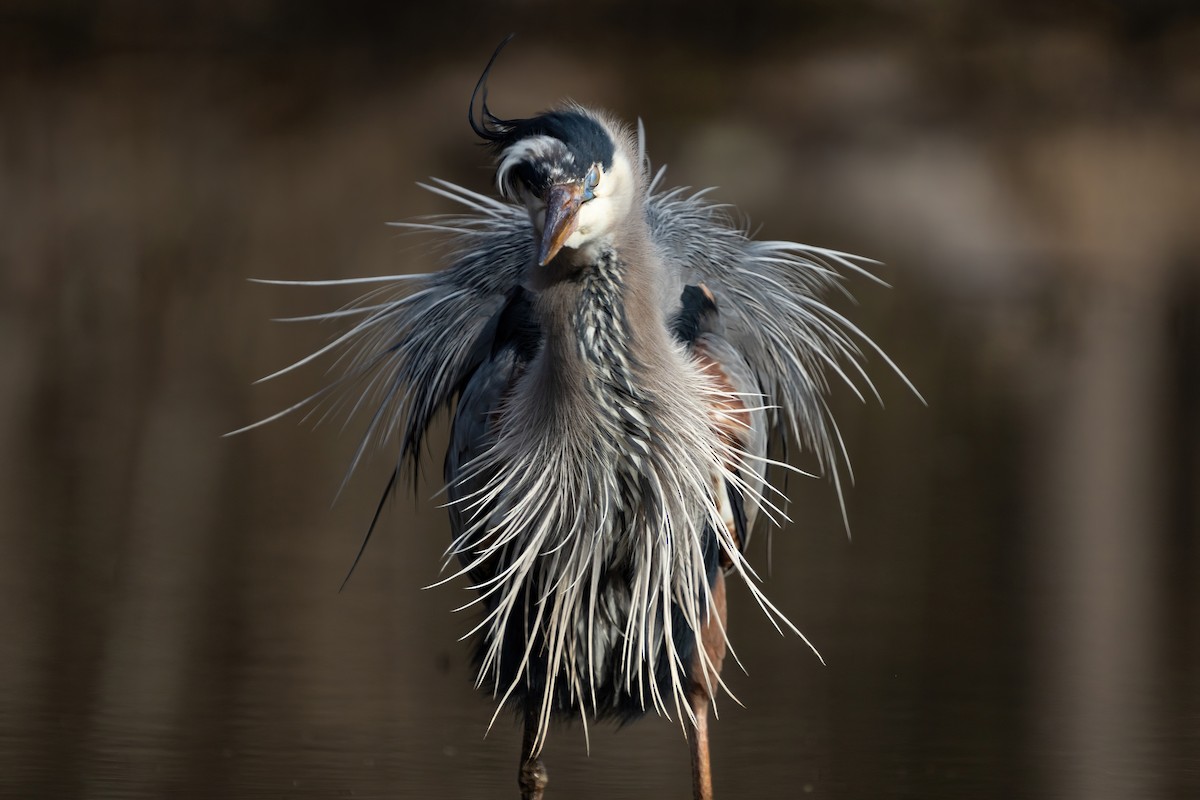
<point>584,137</point>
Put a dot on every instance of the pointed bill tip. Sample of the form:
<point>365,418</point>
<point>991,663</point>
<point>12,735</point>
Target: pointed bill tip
<point>562,219</point>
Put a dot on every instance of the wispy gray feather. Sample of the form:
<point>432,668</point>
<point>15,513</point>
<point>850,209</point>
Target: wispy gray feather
<point>414,347</point>
<point>771,301</point>
<point>418,347</point>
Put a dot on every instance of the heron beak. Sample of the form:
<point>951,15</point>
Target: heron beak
<point>562,209</point>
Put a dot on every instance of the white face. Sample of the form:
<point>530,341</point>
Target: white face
<point>609,205</point>
<point>610,202</point>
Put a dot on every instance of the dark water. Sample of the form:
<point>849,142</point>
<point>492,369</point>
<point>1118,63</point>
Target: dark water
<point>1016,613</point>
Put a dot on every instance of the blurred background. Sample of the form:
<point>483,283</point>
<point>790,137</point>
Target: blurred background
<point>1017,613</point>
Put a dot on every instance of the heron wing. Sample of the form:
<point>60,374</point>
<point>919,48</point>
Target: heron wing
<point>502,349</point>
<point>771,296</point>
<point>737,412</point>
<point>418,338</point>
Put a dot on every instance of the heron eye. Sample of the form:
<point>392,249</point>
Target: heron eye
<point>589,183</point>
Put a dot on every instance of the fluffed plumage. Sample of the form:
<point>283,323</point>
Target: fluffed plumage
<point>609,449</point>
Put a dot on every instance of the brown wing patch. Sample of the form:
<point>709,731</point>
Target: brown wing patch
<point>730,418</point>
<point>728,413</point>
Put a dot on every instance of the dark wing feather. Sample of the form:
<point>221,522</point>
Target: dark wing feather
<point>772,305</point>
<point>739,416</point>
<point>510,340</point>
<point>419,338</point>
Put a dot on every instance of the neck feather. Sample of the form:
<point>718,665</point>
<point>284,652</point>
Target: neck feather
<point>604,324</point>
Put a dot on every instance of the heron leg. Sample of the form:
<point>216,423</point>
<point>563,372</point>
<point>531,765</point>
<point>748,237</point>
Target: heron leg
<point>704,682</point>
<point>532,777</point>
<point>701,768</point>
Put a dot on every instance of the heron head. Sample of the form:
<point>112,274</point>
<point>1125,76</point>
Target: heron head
<point>569,167</point>
<point>566,168</point>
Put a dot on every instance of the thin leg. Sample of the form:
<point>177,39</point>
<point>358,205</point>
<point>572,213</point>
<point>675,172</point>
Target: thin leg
<point>532,777</point>
<point>712,641</point>
<point>701,768</point>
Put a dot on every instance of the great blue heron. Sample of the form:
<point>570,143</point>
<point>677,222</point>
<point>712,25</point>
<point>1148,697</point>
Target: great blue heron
<point>619,356</point>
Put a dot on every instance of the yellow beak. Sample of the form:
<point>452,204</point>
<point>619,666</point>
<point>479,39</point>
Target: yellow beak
<point>562,210</point>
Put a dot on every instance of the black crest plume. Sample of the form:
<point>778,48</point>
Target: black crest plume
<point>492,129</point>
<point>580,132</point>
